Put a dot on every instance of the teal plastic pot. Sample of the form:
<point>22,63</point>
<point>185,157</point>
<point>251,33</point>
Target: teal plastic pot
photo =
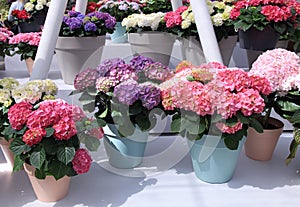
<point>124,152</point>
<point>212,161</point>
<point>119,35</point>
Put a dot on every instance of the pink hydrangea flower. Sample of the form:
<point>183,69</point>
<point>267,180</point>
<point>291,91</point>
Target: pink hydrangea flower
<point>82,161</point>
<point>251,102</point>
<point>65,129</point>
<point>229,129</point>
<point>34,136</point>
<point>18,114</point>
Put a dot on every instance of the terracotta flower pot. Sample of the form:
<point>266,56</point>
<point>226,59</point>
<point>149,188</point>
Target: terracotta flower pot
<point>260,146</point>
<point>49,189</point>
<point>9,156</point>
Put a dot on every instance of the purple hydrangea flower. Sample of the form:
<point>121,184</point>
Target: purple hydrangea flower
<point>73,13</point>
<point>75,23</point>
<point>108,65</point>
<point>90,26</point>
<point>123,7</point>
<point>157,71</point>
<point>127,92</point>
<point>66,20</point>
<point>134,5</point>
<point>110,23</point>
<point>149,95</point>
<point>122,73</point>
<point>139,62</point>
<point>81,16</point>
<point>86,78</point>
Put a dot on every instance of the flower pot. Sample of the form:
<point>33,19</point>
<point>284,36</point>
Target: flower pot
<point>212,161</point>
<point>9,156</point>
<point>26,27</point>
<point>29,64</point>
<point>124,152</point>
<point>49,189</point>
<point>260,146</point>
<point>254,39</point>
<point>73,54</point>
<point>192,50</point>
<point>119,35</point>
<point>155,45</point>
<point>252,55</point>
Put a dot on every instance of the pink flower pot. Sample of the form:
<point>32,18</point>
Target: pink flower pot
<point>29,63</point>
<point>49,189</point>
<point>260,146</point>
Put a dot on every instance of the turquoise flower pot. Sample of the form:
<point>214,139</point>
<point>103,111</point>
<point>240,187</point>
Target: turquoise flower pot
<point>124,152</point>
<point>212,161</point>
<point>119,35</point>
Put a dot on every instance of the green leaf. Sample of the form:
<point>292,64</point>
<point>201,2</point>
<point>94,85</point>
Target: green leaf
<point>40,174</point>
<point>49,131</point>
<point>143,122</point>
<point>216,118</point>
<point>136,108</point>
<point>50,146</point>
<point>293,150</point>
<point>86,98</point>
<point>176,124</point>
<point>256,125</point>
<point>296,117</point>
<point>126,130</point>
<point>18,147</point>
<point>18,163</point>
<point>90,107</point>
<point>58,169</point>
<point>65,154</point>
<point>37,158</point>
<point>92,143</point>
<point>231,143</point>
<point>75,92</point>
<point>297,136</point>
<point>242,118</point>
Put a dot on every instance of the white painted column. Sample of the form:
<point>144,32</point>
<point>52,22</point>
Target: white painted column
<point>206,31</point>
<point>81,5</point>
<point>176,4</point>
<point>49,37</point>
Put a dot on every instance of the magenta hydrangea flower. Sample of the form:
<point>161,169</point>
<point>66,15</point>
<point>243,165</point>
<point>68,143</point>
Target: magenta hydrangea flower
<point>149,95</point>
<point>82,161</point>
<point>127,92</point>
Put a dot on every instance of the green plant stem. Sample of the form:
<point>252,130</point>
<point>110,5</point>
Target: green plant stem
<point>266,118</point>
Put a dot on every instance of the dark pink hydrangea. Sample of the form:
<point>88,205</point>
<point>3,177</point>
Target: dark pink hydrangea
<point>34,136</point>
<point>86,78</point>
<point>82,161</point>
<point>18,114</point>
<point>65,129</point>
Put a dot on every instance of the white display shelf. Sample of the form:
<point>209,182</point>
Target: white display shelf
<point>254,183</point>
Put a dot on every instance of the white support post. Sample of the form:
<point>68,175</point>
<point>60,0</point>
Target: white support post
<point>206,31</point>
<point>49,37</point>
<point>176,4</point>
<point>81,5</point>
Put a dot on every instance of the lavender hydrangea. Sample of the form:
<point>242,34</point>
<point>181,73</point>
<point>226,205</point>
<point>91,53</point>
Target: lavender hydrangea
<point>157,71</point>
<point>127,92</point>
<point>122,73</point>
<point>90,26</point>
<point>108,65</point>
<point>86,78</point>
<point>149,95</point>
<point>75,23</point>
<point>139,62</point>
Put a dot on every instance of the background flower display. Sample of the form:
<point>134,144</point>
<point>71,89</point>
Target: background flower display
<point>182,22</point>
<point>36,7</point>
<point>280,15</point>
<point>5,35</point>
<point>214,99</point>
<point>125,93</point>
<point>120,9</point>
<point>144,22</point>
<point>96,23</point>
<point>20,15</point>
<point>25,44</point>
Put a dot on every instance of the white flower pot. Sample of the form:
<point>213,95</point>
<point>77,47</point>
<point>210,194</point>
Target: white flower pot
<point>73,54</point>
<point>155,45</point>
<point>192,50</point>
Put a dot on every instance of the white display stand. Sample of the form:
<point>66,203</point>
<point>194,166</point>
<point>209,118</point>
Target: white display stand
<point>254,183</point>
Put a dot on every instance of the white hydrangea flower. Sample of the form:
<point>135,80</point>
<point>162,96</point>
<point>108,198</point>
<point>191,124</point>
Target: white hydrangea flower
<point>185,24</point>
<point>217,19</point>
<point>29,7</point>
<point>43,2</point>
<point>39,7</point>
